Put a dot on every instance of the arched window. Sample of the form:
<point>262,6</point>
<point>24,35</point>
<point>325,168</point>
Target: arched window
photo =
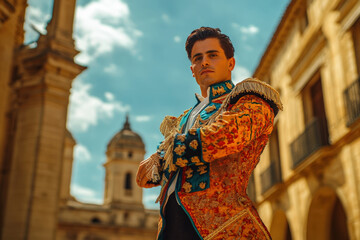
<point>126,216</point>
<point>327,216</point>
<point>130,154</point>
<point>128,184</point>
<point>95,220</point>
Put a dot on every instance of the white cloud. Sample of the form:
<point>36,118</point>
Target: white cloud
<point>102,25</point>
<point>240,73</point>
<point>82,154</point>
<point>177,39</point>
<point>110,69</point>
<point>85,194</point>
<point>109,96</point>
<point>85,110</point>
<point>37,18</point>
<point>143,118</point>
<point>250,30</point>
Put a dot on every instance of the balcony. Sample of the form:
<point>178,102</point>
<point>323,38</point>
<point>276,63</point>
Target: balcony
<point>352,101</point>
<point>314,137</point>
<point>270,177</point>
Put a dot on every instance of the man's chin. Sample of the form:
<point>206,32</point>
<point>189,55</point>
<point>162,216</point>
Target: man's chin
<point>210,82</point>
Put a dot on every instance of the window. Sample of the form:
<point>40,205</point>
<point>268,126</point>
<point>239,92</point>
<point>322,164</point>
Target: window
<point>314,108</point>
<point>352,92</point>
<point>272,175</point>
<point>130,154</point>
<point>356,36</point>
<point>316,132</point>
<point>128,184</point>
<point>95,220</point>
<point>275,156</point>
<point>274,146</point>
<point>126,216</point>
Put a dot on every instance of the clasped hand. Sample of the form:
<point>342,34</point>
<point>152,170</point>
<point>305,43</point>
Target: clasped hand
<point>147,171</point>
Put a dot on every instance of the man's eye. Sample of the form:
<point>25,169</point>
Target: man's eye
<point>213,55</point>
<point>197,59</point>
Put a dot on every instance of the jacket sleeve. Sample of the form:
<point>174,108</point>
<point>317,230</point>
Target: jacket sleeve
<point>243,122</point>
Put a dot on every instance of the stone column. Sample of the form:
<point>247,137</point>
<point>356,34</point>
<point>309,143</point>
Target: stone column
<point>40,88</point>
<point>67,169</point>
<point>11,36</point>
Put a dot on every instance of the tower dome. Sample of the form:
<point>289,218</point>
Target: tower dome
<point>126,138</point>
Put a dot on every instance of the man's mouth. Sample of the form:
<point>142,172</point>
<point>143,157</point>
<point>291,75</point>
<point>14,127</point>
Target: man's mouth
<point>206,71</point>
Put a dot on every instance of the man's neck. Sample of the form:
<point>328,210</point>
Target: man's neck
<point>205,92</point>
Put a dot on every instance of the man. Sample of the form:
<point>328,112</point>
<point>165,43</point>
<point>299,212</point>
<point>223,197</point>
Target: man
<point>210,151</point>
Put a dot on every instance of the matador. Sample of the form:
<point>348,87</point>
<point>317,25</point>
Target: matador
<point>209,152</point>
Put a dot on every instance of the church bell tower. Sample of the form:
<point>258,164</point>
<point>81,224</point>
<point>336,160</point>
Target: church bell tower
<point>124,153</point>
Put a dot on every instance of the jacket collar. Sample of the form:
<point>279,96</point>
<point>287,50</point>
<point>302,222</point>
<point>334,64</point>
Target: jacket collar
<point>217,90</point>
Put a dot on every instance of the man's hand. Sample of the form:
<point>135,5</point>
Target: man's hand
<point>144,176</point>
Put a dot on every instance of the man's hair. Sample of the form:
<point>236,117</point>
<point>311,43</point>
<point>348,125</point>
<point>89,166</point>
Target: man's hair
<point>208,32</point>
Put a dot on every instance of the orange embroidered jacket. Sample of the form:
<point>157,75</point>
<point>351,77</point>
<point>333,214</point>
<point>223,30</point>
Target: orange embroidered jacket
<point>215,159</point>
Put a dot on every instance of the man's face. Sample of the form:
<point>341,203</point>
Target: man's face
<point>209,64</point>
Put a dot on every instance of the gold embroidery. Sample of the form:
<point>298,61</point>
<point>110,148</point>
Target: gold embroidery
<point>219,90</point>
<point>195,159</point>
<point>202,185</point>
<point>181,162</point>
<point>210,108</point>
<point>180,149</point>
<point>202,170</point>
<point>228,85</point>
<point>192,131</point>
<point>225,225</point>
<point>187,187</point>
<point>172,167</point>
<point>194,144</point>
<point>189,173</point>
<point>259,225</point>
<point>203,122</point>
<point>181,137</point>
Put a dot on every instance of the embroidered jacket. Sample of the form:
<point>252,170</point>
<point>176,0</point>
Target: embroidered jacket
<point>216,157</point>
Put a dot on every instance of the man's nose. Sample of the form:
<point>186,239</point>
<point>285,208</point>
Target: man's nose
<point>205,62</point>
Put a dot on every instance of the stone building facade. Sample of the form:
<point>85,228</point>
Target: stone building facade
<point>307,184</point>
<point>36,150</point>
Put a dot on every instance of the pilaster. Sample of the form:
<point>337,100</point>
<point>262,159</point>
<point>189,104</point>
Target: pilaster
<point>40,95</point>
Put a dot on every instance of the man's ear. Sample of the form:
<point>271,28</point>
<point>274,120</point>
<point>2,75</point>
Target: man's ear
<point>231,63</point>
<point>192,70</point>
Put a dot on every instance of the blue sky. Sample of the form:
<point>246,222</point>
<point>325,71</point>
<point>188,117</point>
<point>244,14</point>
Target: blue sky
<point>134,51</point>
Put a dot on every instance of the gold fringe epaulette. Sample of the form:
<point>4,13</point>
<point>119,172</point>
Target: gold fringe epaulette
<point>248,86</point>
<point>171,124</point>
<point>168,125</point>
<point>253,85</point>
<point>169,128</point>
